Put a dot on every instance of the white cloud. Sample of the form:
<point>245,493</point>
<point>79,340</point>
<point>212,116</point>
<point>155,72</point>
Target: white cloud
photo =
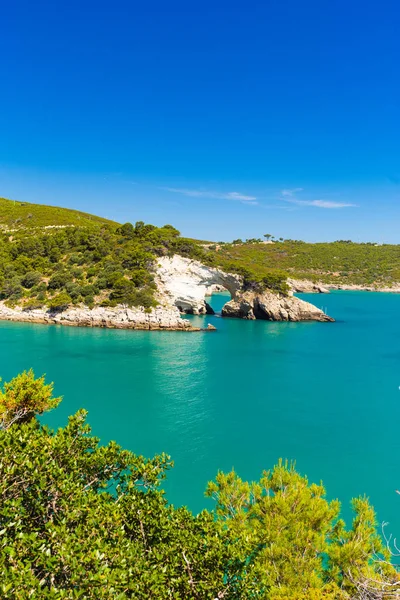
<point>237,196</point>
<point>324,203</point>
<point>290,193</point>
<point>290,196</point>
<point>252,200</point>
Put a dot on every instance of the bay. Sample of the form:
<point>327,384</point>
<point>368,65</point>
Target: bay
<point>326,395</point>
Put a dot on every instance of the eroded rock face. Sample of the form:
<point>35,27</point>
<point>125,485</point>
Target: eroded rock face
<point>120,317</point>
<point>307,287</point>
<point>239,309</point>
<point>273,307</point>
<point>185,283</point>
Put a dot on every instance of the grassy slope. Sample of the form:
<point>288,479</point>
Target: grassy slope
<point>335,262</point>
<point>20,215</point>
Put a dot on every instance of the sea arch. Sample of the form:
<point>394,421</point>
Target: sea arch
<point>186,283</point>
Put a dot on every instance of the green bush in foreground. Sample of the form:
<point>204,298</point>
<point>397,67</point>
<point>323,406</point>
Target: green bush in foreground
<point>80,520</point>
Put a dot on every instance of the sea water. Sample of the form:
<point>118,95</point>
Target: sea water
<point>326,395</point>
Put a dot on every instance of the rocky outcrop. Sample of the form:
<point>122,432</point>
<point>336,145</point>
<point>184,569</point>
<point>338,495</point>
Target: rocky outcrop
<point>307,287</point>
<point>185,283</point>
<point>120,317</point>
<point>272,307</point>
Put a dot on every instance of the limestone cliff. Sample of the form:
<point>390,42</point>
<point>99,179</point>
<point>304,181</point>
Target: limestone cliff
<point>184,283</point>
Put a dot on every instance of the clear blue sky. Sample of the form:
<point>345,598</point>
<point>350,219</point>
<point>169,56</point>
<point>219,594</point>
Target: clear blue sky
<point>226,119</point>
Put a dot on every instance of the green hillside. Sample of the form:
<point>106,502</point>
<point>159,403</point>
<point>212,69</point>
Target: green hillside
<point>56,257</point>
<point>19,215</point>
<point>335,262</point>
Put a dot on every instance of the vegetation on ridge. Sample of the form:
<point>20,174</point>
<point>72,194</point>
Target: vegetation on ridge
<point>80,520</point>
<point>16,215</point>
<point>87,260</point>
<point>341,262</point>
<point>101,264</point>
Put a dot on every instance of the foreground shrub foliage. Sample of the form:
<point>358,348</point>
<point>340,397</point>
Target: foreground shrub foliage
<point>81,520</point>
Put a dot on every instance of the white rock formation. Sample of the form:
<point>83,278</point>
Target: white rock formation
<point>185,283</point>
<point>120,317</point>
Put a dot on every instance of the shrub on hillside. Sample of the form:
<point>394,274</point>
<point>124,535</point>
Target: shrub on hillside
<point>60,302</point>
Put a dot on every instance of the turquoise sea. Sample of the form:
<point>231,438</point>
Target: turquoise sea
<point>326,395</point>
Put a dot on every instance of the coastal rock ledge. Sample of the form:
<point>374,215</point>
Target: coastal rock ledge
<point>120,317</point>
<point>273,307</point>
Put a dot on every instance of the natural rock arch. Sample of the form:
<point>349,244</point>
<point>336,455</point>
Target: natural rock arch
<point>185,283</point>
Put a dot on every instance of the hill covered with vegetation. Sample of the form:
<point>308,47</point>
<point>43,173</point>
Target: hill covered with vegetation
<point>81,520</point>
<point>58,257</point>
<point>16,215</point>
<point>341,262</point>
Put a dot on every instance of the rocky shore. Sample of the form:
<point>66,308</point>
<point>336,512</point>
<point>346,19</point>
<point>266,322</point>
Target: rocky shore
<point>309,287</point>
<point>120,317</point>
<point>273,307</point>
<point>395,289</point>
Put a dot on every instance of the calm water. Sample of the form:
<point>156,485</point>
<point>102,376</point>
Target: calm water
<point>326,395</point>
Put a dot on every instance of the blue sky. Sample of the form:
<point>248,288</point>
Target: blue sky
<point>226,119</point>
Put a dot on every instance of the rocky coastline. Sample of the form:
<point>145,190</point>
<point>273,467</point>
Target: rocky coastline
<point>395,289</point>
<point>182,288</point>
<point>120,317</point>
<point>306,286</point>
